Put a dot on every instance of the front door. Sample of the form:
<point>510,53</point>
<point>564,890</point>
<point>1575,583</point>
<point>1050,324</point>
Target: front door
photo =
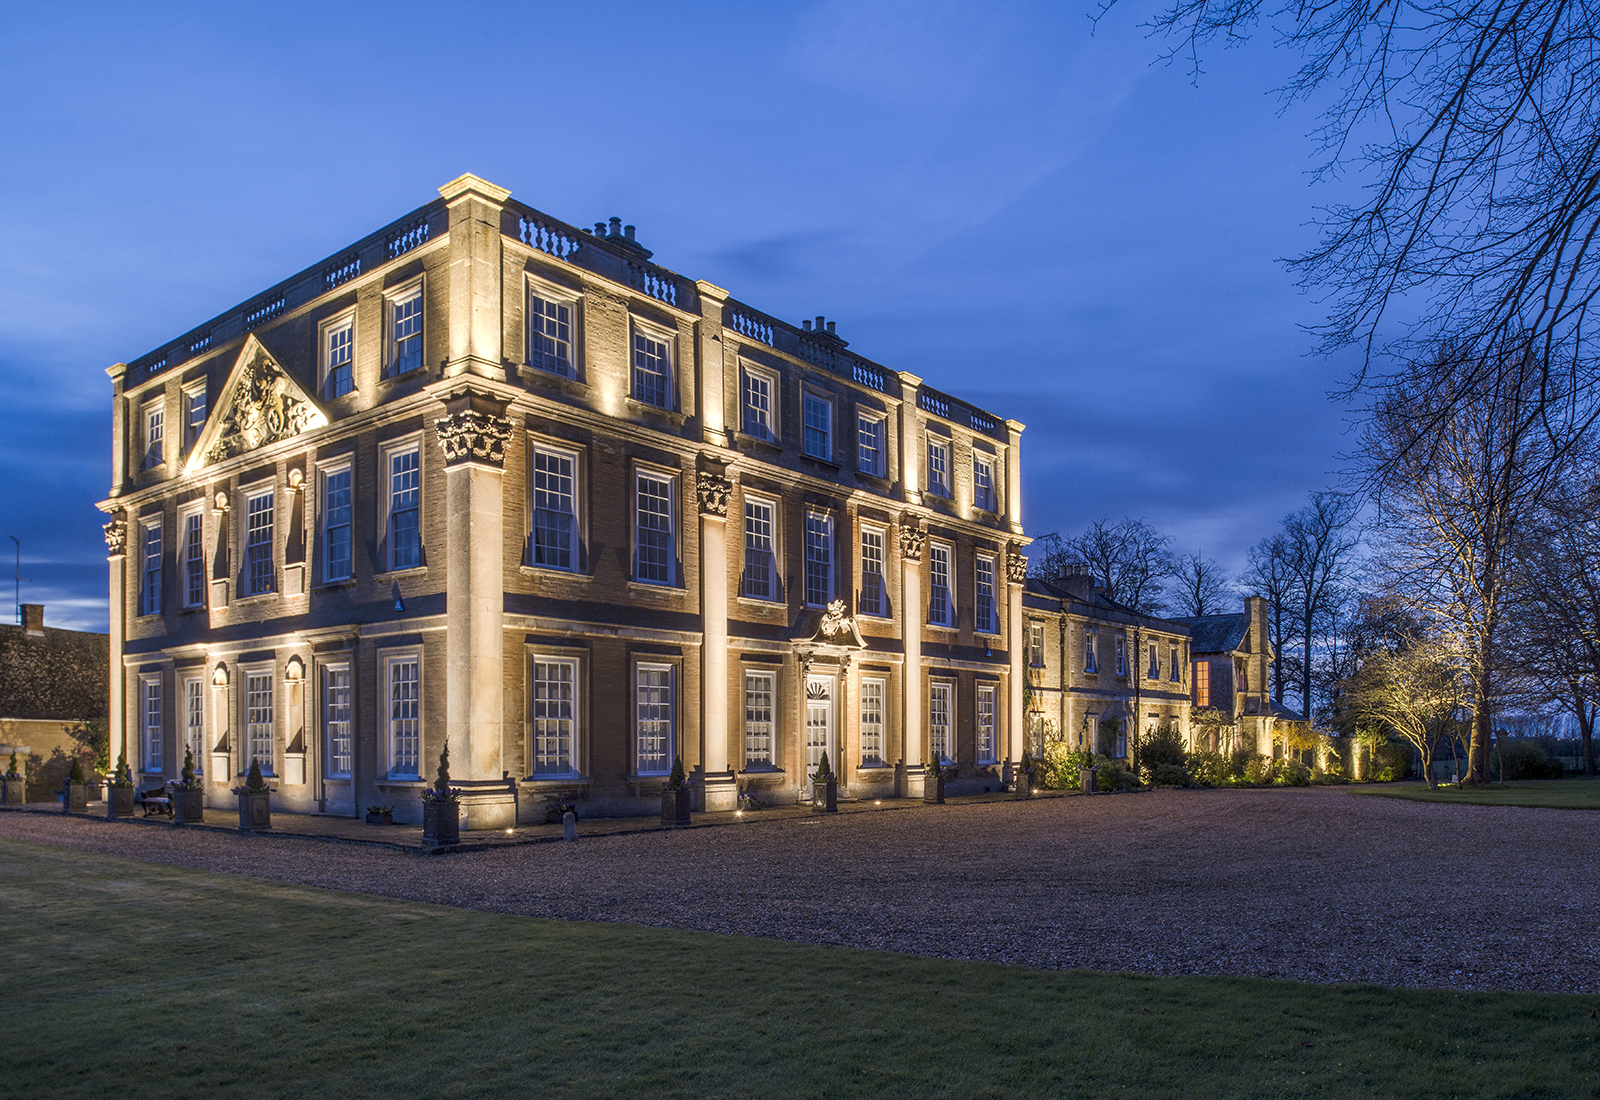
<point>819,725</point>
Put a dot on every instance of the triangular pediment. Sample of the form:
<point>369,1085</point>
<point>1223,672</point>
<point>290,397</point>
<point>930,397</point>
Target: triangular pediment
<point>259,405</point>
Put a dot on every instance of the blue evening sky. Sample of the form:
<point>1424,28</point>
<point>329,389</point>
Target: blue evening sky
<point>1025,213</point>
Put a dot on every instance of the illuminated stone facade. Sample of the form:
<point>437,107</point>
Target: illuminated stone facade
<point>488,480</point>
<point>1098,671</point>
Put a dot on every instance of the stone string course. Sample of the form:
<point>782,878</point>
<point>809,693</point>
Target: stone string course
<point>1319,885</point>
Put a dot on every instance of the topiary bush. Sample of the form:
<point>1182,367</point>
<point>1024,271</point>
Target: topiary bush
<point>1169,775</point>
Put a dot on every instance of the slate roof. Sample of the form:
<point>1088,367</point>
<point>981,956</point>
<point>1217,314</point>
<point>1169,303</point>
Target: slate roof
<point>1216,633</point>
<point>60,675</point>
<point>1038,586</point>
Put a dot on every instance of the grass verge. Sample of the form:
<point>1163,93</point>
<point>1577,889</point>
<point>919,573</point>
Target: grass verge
<point>1554,794</point>
<point>136,979</point>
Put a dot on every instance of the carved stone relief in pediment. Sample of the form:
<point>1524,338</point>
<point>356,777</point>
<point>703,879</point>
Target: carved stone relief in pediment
<point>260,405</point>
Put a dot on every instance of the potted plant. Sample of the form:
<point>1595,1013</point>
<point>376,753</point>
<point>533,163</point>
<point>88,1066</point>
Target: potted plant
<point>188,797</point>
<point>555,812</point>
<point>380,815</point>
<point>255,801</point>
<point>441,808</point>
<point>675,798</point>
<point>75,792</point>
<point>824,789</point>
<point>119,789</point>
<point>14,784</point>
<point>933,787</point>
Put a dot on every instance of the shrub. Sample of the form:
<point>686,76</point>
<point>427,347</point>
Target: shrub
<point>1114,777</point>
<point>1058,771</point>
<point>1291,773</point>
<point>1169,775</point>
<point>1258,769</point>
<point>76,774</point>
<point>1522,759</point>
<point>1390,761</point>
<point>1161,754</point>
<point>1209,768</point>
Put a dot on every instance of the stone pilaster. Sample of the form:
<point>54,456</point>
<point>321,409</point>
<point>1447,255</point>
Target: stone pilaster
<point>912,539</point>
<point>1013,485</point>
<point>1016,724</point>
<point>910,441</point>
<point>721,788</point>
<point>473,437</point>
<point>476,307</point>
<point>116,681</point>
<point>712,390</point>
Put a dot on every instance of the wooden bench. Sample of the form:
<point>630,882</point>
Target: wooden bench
<point>157,800</point>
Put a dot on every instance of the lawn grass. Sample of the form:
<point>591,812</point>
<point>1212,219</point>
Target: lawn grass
<point>1555,794</point>
<point>134,979</point>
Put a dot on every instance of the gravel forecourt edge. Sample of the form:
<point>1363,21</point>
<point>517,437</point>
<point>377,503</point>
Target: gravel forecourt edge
<point>1319,884</point>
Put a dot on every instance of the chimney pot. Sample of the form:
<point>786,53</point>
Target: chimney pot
<point>616,227</point>
<point>627,231</point>
<point>819,322</point>
<point>830,328</point>
<point>805,326</point>
<point>599,229</point>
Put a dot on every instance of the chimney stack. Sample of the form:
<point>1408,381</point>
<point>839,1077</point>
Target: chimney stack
<point>33,620</point>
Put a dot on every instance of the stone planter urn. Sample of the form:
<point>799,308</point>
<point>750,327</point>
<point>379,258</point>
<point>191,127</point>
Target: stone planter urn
<point>441,823</point>
<point>119,802</point>
<point>825,796</point>
<point>675,808</point>
<point>255,811</point>
<point>13,788</point>
<point>933,788</point>
<point>75,798</point>
<point>1087,777</point>
<point>1025,783</point>
<point>188,806</point>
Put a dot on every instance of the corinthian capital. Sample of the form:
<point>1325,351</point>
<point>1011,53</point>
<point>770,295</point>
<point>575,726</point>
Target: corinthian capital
<point>912,539</point>
<point>714,490</point>
<point>471,436</point>
<point>116,536</point>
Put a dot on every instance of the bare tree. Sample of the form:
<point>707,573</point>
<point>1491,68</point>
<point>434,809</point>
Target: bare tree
<point>1319,546</point>
<point>1199,586</point>
<point>1462,454</point>
<point>1129,558</point>
<point>1554,625</point>
<point>1477,128</point>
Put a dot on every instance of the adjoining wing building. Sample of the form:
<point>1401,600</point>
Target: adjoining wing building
<point>490,481</point>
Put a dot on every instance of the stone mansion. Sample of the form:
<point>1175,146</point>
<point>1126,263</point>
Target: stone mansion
<point>490,481</point>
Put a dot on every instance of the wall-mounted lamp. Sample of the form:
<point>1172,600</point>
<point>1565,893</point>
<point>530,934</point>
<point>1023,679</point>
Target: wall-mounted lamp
<point>219,678</point>
<point>220,504</point>
<point>398,606</point>
<point>294,671</point>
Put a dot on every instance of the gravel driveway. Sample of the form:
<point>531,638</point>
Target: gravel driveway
<point>1315,884</point>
